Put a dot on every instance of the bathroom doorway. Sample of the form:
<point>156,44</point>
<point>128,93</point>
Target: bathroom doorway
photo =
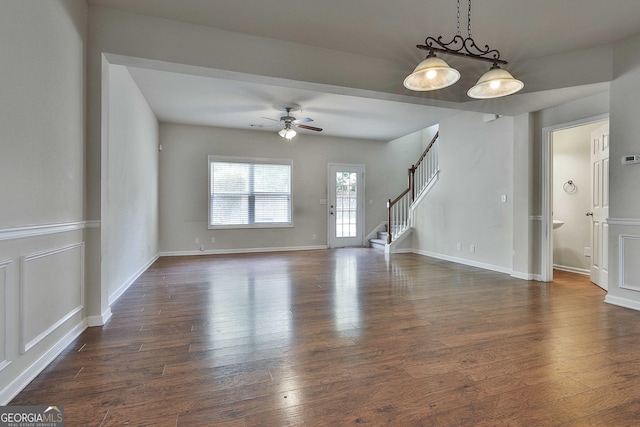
<point>570,232</point>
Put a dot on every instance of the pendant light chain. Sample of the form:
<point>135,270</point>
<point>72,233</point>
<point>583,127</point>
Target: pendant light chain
<point>458,17</point>
<point>469,35</point>
<point>468,21</point>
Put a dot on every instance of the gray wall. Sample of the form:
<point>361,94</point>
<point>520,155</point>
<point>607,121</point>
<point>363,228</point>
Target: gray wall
<point>465,207</point>
<point>183,184</point>
<point>624,212</point>
<point>42,169</point>
<point>52,173</point>
<point>130,185</point>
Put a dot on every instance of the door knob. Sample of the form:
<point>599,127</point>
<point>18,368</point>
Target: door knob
<point>589,213</point>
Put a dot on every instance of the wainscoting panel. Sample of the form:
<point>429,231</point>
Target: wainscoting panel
<point>629,266</point>
<point>51,291</point>
<point>5,344</point>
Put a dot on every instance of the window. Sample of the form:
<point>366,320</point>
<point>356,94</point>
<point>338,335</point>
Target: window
<point>246,192</point>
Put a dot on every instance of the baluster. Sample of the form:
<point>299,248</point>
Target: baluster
<point>420,176</point>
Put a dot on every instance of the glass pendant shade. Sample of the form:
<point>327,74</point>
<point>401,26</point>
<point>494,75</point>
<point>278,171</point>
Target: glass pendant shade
<point>287,133</point>
<point>431,74</point>
<point>495,83</point>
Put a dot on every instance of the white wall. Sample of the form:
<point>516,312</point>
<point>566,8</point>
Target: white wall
<point>130,185</point>
<point>42,227</point>
<point>572,161</point>
<point>476,169</point>
<point>183,184</point>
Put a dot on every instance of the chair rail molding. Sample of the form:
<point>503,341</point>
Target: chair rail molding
<point>14,233</point>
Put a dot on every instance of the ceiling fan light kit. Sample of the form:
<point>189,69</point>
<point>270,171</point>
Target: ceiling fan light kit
<point>433,73</point>
<point>287,133</point>
<point>289,122</point>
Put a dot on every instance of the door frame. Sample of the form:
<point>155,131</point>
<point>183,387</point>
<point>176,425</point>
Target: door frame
<point>546,235</point>
<point>331,183</point>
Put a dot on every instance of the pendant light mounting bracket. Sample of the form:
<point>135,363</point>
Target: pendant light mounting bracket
<point>465,47</point>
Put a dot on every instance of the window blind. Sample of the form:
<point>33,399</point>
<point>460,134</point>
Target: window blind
<point>249,193</point>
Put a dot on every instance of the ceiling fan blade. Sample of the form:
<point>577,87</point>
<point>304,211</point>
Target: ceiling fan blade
<point>269,118</point>
<point>254,125</point>
<point>309,127</point>
<point>303,120</point>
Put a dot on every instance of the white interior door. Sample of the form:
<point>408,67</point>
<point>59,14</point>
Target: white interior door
<point>600,206</point>
<point>346,207</point>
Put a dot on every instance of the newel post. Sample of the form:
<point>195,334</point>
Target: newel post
<point>389,221</point>
<point>412,180</point>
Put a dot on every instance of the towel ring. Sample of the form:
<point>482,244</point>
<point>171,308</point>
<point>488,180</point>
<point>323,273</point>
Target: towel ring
<point>570,187</point>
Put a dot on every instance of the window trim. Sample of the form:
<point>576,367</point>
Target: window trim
<point>248,160</point>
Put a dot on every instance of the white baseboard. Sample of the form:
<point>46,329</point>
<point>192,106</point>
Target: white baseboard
<point>622,302</point>
<point>403,251</point>
<point>19,383</point>
<point>523,276</point>
<point>468,262</point>
<point>242,251</point>
<point>100,320</point>
<point>121,290</point>
<point>572,269</point>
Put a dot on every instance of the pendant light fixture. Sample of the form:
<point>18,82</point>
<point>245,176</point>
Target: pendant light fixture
<point>495,83</point>
<point>433,73</point>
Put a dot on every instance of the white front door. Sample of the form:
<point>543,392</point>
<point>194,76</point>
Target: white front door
<point>346,207</point>
<point>600,206</point>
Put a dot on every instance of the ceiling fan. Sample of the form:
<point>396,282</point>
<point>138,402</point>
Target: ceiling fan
<point>289,122</point>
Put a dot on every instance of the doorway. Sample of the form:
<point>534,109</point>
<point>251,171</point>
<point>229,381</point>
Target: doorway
<point>346,207</point>
<point>571,186</point>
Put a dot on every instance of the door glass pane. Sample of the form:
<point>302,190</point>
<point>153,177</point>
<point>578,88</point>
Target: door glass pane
<point>346,204</point>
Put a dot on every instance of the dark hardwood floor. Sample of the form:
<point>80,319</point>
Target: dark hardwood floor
<point>347,337</point>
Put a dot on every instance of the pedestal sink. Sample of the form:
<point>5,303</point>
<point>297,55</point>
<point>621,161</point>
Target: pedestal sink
<point>557,223</point>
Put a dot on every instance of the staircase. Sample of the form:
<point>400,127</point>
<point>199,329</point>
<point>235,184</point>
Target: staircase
<point>422,176</point>
<point>380,241</point>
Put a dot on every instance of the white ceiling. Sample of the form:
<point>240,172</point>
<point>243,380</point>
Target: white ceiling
<point>210,101</point>
<point>381,29</point>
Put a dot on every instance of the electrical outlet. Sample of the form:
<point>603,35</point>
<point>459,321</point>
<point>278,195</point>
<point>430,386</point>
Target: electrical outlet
<point>197,240</point>
<point>459,246</point>
<point>313,237</point>
<point>213,240</point>
<point>472,248</point>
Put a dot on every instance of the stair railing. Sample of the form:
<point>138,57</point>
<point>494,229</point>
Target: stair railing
<point>420,175</point>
